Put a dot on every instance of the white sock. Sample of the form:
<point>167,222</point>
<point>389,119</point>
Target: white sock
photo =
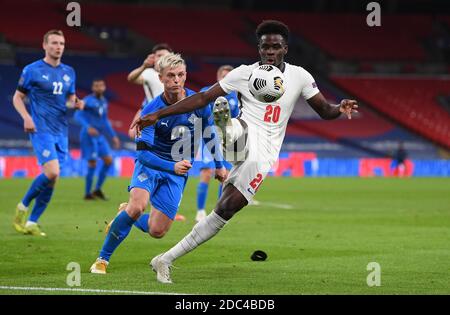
<point>30,223</point>
<point>21,207</point>
<point>201,232</point>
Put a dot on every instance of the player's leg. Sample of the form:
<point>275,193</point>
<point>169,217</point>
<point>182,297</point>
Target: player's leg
<point>120,227</point>
<point>231,202</point>
<point>104,152</point>
<point>202,192</point>
<point>45,150</point>
<point>89,148</point>
<point>92,165</point>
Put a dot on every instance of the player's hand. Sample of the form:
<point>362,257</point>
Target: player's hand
<point>28,125</point>
<point>221,174</point>
<point>182,167</point>
<point>149,62</point>
<point>144,121</point>
<point>79,104</point>
<point>348,107</point>
<point>92,131</point>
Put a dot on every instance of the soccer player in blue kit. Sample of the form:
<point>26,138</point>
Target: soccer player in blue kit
<point>157,176</point>
<point>49,86</point>
<point>95,127</point>
<point>207,164</point>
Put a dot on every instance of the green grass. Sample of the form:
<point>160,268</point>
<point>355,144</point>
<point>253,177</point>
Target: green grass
<point>320,246</point>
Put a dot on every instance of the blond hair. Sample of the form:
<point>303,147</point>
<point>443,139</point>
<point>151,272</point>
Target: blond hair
<point>170,60</point>
<point>52,32</point>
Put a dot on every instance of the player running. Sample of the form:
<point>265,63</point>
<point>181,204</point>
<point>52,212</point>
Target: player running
<point>265,133</point>
<point>158,175</point>
<point>49,86</point>
<point>95,126</point>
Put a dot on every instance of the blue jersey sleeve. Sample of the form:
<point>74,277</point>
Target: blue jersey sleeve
<point>108,127</point>
<point>81,119</point>
<point>149,159</point>
<point>72,87</point>
<point>26,80</point>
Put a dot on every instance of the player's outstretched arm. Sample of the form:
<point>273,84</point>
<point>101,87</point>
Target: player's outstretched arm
<point>19,105</point>
<point>328,111</point>
<point>186,105</point>
<point>135,76</point>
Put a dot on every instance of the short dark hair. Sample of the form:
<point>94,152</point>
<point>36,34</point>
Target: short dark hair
<point>52,32</point>
<point>272,27</point>
<point>161,46</point>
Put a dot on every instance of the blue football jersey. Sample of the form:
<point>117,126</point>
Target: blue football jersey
<point>47,89</point>
<point>232,101</point>
<point>95,114</point>
<point>176,132</point>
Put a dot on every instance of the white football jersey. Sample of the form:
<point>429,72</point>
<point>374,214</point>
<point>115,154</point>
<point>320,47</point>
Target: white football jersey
<point>270,119</point>
<point>152,85</point>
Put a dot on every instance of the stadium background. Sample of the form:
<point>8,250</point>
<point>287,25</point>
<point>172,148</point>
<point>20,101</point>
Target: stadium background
<point>398,72</point>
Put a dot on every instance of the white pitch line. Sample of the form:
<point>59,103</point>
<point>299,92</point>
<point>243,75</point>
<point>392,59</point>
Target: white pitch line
<point>275,205</point>
<point>86,290</point>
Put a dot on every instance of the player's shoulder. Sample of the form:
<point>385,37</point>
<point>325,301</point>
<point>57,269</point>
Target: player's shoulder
<point>36,65</point>
<point>247,69</point>
<point>153,105</point>
<point>205,88</point>
<point>297,70</point>
<point>68,68</point>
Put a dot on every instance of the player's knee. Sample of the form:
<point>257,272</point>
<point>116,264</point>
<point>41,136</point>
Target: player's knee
<point>156,231</point>
<point>136,208</point>
<point>52,174</point>
<point>205,175</point>
<point>107,160</point>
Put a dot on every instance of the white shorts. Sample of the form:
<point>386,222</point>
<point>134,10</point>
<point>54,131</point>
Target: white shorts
<point>256,160</point>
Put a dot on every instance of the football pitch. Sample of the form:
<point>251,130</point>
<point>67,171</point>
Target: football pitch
<point>319,234</point>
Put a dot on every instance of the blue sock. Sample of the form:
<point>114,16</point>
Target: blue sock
<point>220,190</point>
<point>102,176</point>
<point>41,203</point>
<point>89,179</point>
<point>117,233</point>
<point>39,184</point>
<point>142,223</point>
<point>202,193</point>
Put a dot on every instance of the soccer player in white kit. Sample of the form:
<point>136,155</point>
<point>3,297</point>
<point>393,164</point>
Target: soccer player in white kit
<point>147,75</point>
<point>264,123</point>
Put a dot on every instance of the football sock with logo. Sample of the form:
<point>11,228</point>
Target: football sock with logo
<point>117,233</point>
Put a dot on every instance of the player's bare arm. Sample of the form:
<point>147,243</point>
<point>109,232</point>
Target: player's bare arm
<point>19,105</point>
<point>328,111</point>
<point>186,105</point>
<point>135,76</point>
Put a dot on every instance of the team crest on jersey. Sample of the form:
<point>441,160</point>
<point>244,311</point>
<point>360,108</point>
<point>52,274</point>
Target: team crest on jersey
<point>66,78</point>
<point>46,153</point>
<point>142,177</point>
<point>192,119</point>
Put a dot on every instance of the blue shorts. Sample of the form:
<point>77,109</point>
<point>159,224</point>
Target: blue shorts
<point>49,147</point>
<point>166,190</point>
<point>93,147</point>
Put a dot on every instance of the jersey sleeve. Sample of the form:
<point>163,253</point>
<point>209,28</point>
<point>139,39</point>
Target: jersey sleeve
<point>72,87</point>
<point>309,88</point>
<point>26,80</point>
<point>233,80</point>
<point>81,119</point>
